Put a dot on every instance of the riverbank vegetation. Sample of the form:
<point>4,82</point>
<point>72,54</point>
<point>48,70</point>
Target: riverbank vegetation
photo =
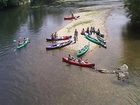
<point>133,10</point>
<point>15,3</point>
<point>12,3</point>
<point>65,3</point>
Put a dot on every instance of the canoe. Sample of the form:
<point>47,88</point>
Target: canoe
<point>24,43</point>
<point>71,18</point>
<point>101,39</point>
<point>75,62</point>
<point>101,35</point>
<point>58,45</point>
<point>59,38</point>
<point>95,41</point>
<point>83,51</point>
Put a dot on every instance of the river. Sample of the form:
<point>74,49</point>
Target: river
<point>34,76</point>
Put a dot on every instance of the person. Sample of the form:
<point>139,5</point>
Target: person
<point>98,32</point>
<point>80,61</point>
<point>70,57</point>
<point>24,40</point>
<point>52,35</point>
<point>72,15</point>
<point>55,35</point>
<point>83,32</point>
<point>91,30</point>
<point>87,31</point>
<point>75,35</point>
<point>19,43</point>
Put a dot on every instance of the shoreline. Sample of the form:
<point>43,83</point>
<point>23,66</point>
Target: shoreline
<point>94,18</point>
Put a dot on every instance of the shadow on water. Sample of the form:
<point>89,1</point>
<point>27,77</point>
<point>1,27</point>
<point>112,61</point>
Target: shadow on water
<point>25,22</point>
<point>131,38</point>
<point>10,23</point>
<point>131,31</point>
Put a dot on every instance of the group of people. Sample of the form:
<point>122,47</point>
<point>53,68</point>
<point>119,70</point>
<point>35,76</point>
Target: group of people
<point>79,60</point>
<point>54,35</point>
<point>90,30</point>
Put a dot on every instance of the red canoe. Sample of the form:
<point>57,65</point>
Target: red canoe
<point>71,18</point>
<point>59,38</point>
<point>75,62</point>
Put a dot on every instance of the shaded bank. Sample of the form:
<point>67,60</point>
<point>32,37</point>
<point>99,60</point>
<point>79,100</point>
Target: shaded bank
<point>13,3</point>
<point>133,12</point>
<point>60,3</point>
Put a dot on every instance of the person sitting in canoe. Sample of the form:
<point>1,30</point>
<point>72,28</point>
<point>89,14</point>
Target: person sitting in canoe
<point>24,40</point>
<point>55,35</point>
<point>70,57</point>
<point>83,32</point>
<point>80,61</point>
<point>19,43</point>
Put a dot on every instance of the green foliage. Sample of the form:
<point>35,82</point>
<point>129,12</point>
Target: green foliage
<point>133,9</point>
<point>3,3</point>
<point>34,2</point>
<point>9,3</point>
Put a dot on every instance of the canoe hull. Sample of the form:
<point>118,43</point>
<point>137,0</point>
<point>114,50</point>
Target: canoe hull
<point>101,39</point>
<point>58,45</point>
<point>95,41</point>
<point>24,44</point>
<point>83,52</point>
<point>71,18</point>
<point>88,65</point>
<point>59,38</point>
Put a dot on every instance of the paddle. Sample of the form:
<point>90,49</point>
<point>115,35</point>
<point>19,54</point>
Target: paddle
<point>16,40</point>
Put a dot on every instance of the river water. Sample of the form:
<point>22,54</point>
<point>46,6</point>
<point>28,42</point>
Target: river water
<point>34,76</point>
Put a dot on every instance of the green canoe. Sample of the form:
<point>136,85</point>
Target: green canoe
<point>95,41</point>
<point>83,51</point>
<point>24,43</point>
<point>101,39</point>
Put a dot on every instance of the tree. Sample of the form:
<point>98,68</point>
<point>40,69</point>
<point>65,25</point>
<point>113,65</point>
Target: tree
<point>133,9</point>
<point>9,3</point>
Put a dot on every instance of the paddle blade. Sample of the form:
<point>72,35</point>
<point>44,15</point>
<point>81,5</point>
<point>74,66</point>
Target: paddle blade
<point>14,41</point>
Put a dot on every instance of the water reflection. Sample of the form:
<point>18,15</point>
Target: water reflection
<point>131,47</point>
